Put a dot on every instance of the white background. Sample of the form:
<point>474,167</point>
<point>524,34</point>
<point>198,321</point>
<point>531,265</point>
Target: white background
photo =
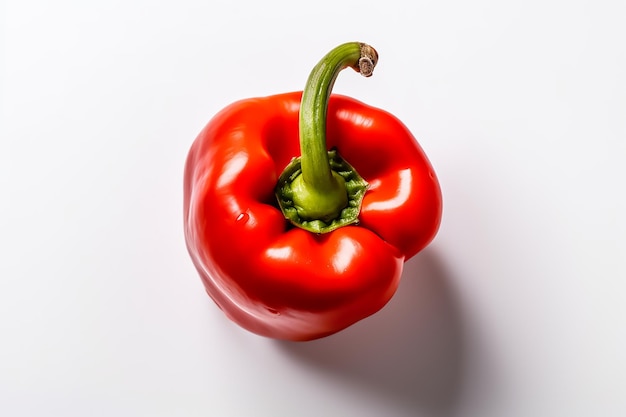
<point>516,309</point>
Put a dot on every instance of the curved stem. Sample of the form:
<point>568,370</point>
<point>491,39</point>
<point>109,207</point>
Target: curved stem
<point>362,58</point>
<point>319,191</point>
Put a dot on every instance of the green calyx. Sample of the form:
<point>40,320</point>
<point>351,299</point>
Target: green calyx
<point>319,191</point>
<point>308,217</point>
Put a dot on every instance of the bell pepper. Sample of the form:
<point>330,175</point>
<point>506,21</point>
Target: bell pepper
<point>301,208</point>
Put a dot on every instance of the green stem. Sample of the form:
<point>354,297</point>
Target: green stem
<point>315,167</point>
<point>320,191</point>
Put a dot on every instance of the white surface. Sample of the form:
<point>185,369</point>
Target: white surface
<point>515,310</point>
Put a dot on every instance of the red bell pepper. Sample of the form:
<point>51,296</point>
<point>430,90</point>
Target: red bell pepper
<point>301,208</point>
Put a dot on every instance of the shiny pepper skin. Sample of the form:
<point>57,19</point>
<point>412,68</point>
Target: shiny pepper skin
<point>278,280</point>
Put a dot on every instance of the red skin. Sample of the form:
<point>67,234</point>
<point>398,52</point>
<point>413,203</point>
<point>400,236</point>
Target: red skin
<point>281,281</point>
